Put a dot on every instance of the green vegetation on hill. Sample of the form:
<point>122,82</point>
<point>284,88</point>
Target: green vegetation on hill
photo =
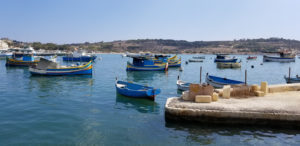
<point>174,46</point>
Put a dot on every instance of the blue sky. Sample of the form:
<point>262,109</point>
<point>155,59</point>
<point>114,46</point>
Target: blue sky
<point>75,21</point>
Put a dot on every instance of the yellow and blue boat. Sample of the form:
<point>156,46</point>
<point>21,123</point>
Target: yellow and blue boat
<point>145,63</point>
<point>172,62</point>
<point>21,59</point>
<point>50,68</point>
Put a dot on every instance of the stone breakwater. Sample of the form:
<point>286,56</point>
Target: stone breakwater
<point>279,106</point>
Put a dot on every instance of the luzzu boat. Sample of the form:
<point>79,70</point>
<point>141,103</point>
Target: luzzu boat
<point>21,59</point>
<point>50,68</point>
<point>136,90</point>
<point>144,63</point>
<point>284,57</point>
<point>219,82</point>
<point>172,62</point>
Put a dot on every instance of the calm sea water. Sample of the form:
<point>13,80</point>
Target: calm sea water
<point>85,110</point>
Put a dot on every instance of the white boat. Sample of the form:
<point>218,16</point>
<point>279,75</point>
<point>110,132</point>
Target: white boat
<point>195,60</point>
<point>5,53</point>
<point>183,86</point>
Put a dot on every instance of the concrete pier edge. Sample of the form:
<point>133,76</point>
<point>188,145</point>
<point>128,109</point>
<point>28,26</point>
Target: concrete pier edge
<point>230,117</point>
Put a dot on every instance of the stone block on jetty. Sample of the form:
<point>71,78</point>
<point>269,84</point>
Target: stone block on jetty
<point>185,96</point>
<point>254,87</point>
<point>215,96</point>
<point>197,89</point>
<point>259,93</point>
<point>226,91</point>
<point>203,98</point>
<point>264,87</point>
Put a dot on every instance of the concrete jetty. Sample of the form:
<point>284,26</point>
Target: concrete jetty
<point>280,107</point>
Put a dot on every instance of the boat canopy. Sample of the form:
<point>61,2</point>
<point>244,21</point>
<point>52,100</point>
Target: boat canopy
<point>45,64</point>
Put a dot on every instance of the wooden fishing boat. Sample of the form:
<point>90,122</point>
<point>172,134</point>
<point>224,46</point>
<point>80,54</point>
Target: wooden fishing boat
<point>21,59</point>
<point>172,62</point>
<point>251,57</point>
<point>219,82</point>
<point>228,65</point>
<point>195,60</point>
<point>144,63</point>
<point>225,58</point>
<point>136,90</point>
<point>292,80</point>
<point>199,57</point>
<point>284,57</point>
<point>50,68</point>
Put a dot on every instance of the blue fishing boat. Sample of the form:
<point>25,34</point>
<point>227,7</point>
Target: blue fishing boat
<point>79,57</point>
<point>50,68</point>
<point>292,79</point>
<point>225,58</point>
<point>219,82</point>
<point>144,63</point>
<point>136,90</point>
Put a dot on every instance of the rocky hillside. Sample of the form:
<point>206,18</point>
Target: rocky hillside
<point>174,46</point>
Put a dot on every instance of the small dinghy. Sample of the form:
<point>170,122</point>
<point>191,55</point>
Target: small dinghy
<point>181,85</point>
<point>195,60</point>
<point>136,90</point>
<point>219,82</point>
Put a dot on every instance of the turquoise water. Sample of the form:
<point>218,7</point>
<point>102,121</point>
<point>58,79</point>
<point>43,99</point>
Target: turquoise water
<point>85,110</point>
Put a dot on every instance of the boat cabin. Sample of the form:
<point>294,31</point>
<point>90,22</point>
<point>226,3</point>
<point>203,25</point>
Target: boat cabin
<point>142,61</point>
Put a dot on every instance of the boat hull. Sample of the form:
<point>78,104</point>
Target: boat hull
<point>136,91</point>
<point>292,80</point>
<point>182,85</point>
<point>226,60</point>
<point>81,70</point>
<point>131,67</point>
<point>218,82</point>
<point>278,59</point>
<point>228,65</point>
<point>13,62</point>
<point>195,60</point>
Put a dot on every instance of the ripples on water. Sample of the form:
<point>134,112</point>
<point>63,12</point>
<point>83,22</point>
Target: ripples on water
<point>85,110</point>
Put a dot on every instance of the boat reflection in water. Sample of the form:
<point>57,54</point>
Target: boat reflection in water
<point>144,77</point>
<point>61,85</point>
<point>140,105</point>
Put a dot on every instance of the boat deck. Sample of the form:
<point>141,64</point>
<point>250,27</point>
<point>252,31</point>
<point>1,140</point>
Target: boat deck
<point>280,109</point>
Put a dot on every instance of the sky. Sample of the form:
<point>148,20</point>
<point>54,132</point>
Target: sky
<point>77,21</point>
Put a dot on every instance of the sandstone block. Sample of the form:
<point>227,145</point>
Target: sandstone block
<point>203,98</point>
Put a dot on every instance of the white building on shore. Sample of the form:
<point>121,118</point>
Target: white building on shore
<point>3,45</point>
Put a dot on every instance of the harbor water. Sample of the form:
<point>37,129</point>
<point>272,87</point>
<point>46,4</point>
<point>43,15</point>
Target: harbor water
<point>86,110</point>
